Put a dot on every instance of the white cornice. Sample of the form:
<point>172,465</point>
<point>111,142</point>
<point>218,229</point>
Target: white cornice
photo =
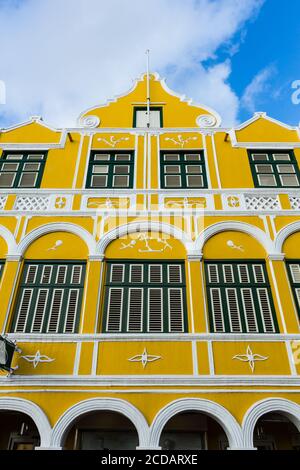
<point>128,381</point>
<point>32,146</point>
<point>125,337</point>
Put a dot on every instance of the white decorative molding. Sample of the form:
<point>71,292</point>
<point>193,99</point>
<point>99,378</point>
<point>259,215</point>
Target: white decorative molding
<point>262,203</point>
<point>32,203</point>
<point>295,202</point>
<point>37,359</point>
<point>100,404</point>
<point>252,230</point>
<point>276,256</point>
<point>144,358</point>
<point>56,245</point>
<point>3,200</point>
<point>56,227</point>
<point>89,122</point>
<point>142,226</point>
<point>206,120</point>
<point>142,337</point>
<point>146,244</point>
<point>285,383</point>
<point>10,240</point>
<point>180,141</point>
<point>112,142</point>
<point>43,203</point>
<point>288,408</point>
<point>284,233</point>
<point>33,411</point>
<point>250,357</point>
<point>217,412</point>
<point>155,76</point>
<point>231,245</point>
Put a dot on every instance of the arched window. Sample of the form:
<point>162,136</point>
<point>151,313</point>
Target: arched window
<point>238,290</point>
<point>51,285</point>
<point>145,286</point>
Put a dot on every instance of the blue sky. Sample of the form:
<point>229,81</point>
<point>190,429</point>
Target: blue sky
<point>278,25</point>
<point>237,56</point>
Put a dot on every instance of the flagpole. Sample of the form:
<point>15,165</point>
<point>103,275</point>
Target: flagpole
<point>148,89</point>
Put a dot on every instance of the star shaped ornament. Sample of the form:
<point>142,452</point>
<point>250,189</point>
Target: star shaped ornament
<point>250,357</point>
<point>144,358</point>
<point>37,359</point>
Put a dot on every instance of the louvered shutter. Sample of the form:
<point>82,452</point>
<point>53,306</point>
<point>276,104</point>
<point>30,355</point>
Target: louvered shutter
<point>135,310</point>
<point>61,274</point>
<point>155,274</point>
<point>155,310</point>
<point>259,275</point>
<point>46,274</point>
<point>23,310</point>
<point>217,310</point>
<point>243,274</point>
<point>213,274</point>
<point>71,310</point>
<point>114,309</point>
<point>31,274</point>
<point>40,310</point>
<point>228,274</point>
<point>176,313</point>
<point>55,310</point>
<point>249,308</point>
<point>117,273</point>
<point>76,275</point>
<point>265,309</point>
<point>233,310</point>
<point>295,272</point>
<point>243,289</point>
<point>174,273</point>
<point>136,273</point>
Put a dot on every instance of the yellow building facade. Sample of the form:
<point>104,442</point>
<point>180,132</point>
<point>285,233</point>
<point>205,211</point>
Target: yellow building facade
<point>150,276</point>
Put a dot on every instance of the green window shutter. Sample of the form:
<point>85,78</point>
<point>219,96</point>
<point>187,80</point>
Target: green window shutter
<point>110,169</point>
<point>265,308</point>
<point>155,310</point>
<point>114,309</point>
<point>293,269</point>
<point>40,310</point>
<point>249,308</point>
<point>216,306</point>
<point>55,310</point>
<point>22,169</point>
<point>72,306</point>
<point>49,299</point>
<point>181,169</point>
<point>273,168</point>
<point>176,312</point>
<point>233,310</point>
<point>135,309</point>
<point>145,297</point>
<point>239,298</point>
<point>23,310</point>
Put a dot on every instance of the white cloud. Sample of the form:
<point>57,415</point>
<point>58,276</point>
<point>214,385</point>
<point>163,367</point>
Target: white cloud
<point>256,88</point>
<point>59,57</point>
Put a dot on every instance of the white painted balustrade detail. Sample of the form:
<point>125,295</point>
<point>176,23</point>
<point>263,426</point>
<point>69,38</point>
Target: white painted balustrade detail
<point>51,202</point>
<point>295,202</point>
<point>247,202</point>
<point>3,200</point>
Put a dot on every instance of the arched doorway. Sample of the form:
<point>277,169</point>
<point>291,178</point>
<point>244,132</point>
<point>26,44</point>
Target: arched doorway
<point>193,430</point>
<point>275,431</point>
<point>100,430</point>
<point>18,431</point>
